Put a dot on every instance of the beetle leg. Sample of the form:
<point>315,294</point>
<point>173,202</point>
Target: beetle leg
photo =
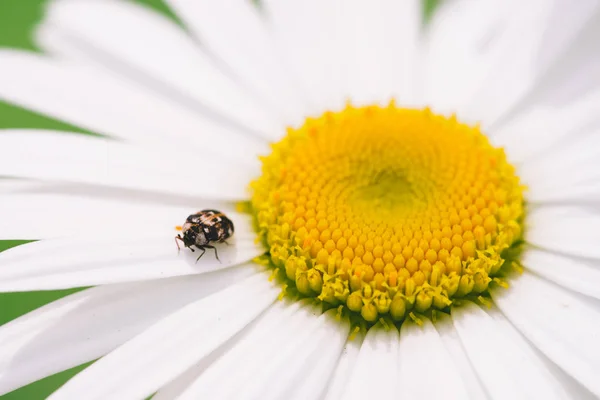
<point>215,249</point>
<point>177,239</point>
<point>201,254</point>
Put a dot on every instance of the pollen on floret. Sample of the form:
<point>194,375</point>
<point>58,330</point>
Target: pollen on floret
<point>385,212</point>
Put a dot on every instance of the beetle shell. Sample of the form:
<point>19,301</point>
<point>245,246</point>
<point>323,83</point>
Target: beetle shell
<point>205,227</point>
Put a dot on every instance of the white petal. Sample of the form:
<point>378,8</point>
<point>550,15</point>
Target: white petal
<point>379,50</point>
<point>152,50</point>
<point>259,343</point>
<point>12,185</point>
<point>566,230</point>
<point>89,324</point>
<point>123,257</point>
<point>177,386</point>
<point>554,175</point>
<point>250,56</point>
<point>172,345</point>
<point>377,362</point>
<point>108,104</point>
<point>344,367</point>
<point>304,370</point>
<point>559,323</point>
<point>123,196</point>
<point>527,53</point>
<point>583,193</point>
<point>302,346</point>
<point>575,274</point>
<point>365,52</point>
<point>456,52</point>
<point>569,388</point>
<point>574,75</point>
<point>256,338</point>
<point>500,355</point>
<point>45,216</point>
<point>173,389</point>
<point>453,345</point>
<point>67,157</point>
<point>546,126</point>
<point>423,359</point>
<point>511,51</point>
<point>313,54</point>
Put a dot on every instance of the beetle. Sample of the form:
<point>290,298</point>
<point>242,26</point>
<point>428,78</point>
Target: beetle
<point>203,228</point>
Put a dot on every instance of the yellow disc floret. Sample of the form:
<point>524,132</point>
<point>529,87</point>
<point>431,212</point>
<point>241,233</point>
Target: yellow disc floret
<point>386,211</point>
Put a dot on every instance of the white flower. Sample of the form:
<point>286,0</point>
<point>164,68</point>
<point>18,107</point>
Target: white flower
<point>186,110</point>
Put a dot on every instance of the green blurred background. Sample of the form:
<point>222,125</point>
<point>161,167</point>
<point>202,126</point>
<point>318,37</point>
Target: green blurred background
<point>17,21</point>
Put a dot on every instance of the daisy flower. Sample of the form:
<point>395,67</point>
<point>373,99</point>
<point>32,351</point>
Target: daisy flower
<point>414,209</point>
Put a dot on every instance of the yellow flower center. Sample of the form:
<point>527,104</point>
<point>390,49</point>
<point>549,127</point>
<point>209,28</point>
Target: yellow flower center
<point>386,211</point>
